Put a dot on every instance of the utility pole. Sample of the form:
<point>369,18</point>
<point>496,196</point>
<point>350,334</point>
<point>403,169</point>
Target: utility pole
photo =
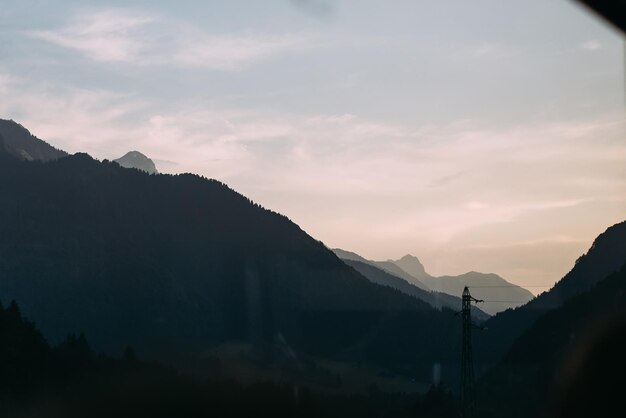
<point>468,394</point>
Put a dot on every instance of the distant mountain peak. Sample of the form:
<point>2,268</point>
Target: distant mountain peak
<point>388,266</point>
<point>137,160</point>
<point>409,257</point>
<point>412,265</point>
<point>499,293</point>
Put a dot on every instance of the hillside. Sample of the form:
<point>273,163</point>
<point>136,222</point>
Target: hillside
<point>606,255</point>
<point>175,264</point>
<point>545,358</point>
<point>349,255</point>
<point>71,380</point>
<point>19,142</point>
<point>392,268</point>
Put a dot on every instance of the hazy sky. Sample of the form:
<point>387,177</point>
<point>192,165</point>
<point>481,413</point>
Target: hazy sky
<point>480,135</point>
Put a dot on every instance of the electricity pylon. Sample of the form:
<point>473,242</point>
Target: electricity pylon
<point>468,394</point>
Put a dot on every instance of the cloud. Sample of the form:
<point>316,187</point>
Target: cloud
<point>342,154</point>
<point>118,36</point>
<point>105,36</point>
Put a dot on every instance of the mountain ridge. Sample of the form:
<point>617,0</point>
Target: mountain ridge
<point>498,293</point>
<point>544,355</point>
<point>436,299</point>
<point>606,255</point>
<point>16,140</point>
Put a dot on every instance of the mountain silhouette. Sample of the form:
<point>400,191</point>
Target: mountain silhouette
<point>175,264</point>
<point>548,356</point>
<point>606,256</point>
<point>135,159</point>
<point>497,294</point>
<point>19,142</point>
<point>413,266</point>
<point>436,299</point>
<point>349,255</point>
<point>392,268</point>
<point>386,266</point>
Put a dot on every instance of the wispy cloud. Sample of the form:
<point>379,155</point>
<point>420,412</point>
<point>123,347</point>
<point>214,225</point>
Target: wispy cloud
<point>341,153</point>
<point>132,38</point>
<point>105,36</point>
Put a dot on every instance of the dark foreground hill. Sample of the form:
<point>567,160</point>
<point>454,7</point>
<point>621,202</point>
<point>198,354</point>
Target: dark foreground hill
<point>71,380</point>
<point>175,264</point>
<point>570,361</point>
<point>607,255</point>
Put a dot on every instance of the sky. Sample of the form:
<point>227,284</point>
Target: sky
<point>483,135</point>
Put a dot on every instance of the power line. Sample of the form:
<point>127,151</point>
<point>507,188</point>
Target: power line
<point>481,287</point>
<point>507,301</point>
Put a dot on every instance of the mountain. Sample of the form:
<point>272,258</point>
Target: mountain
<point>606,256</point>
<point>19,142</point>
<point>414,267</point>
<point>392,268</point>
<point>180,255</point>
<point>556,354</point>
<point>173,265</point>
<point>386,266</point>
<point>435,299</point>
<point>497,293</point>
<point>349,255</point>
<point>135,159</point>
